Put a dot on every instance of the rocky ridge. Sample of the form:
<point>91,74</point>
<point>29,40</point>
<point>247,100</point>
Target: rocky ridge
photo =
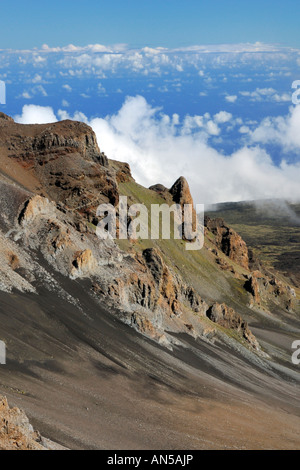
<point>58,217</point>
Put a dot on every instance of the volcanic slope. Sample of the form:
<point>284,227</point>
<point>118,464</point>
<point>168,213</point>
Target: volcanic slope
<point>133,344</point>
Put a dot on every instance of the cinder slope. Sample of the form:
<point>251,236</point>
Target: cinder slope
<point>68,300</point>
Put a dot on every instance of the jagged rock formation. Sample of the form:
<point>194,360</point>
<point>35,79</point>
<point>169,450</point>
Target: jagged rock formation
<point>228,241</point>
<point>252,286</point>
<point>262,287</point>
<point>66,162</point>
<point>123,171</point>
<point>181,193</point>
<point>62,161</point>
<point>228,318</point>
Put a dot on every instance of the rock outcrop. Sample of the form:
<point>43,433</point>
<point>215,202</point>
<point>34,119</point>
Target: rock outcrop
<point>160,189</point>
<point>180,192</point>
<point>56,220</point>
<point>264,289</point>
<point>228,241</point>
<point>84,264</point>
<point>16,433</point>
<point>61,161</point>
<point>229,319</point>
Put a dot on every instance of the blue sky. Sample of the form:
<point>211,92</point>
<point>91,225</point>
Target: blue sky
<point>169,23</point>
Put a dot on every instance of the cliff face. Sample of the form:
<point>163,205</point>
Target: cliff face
<point>149,287</point>
<point>61,161</point>
<point>228,241</point>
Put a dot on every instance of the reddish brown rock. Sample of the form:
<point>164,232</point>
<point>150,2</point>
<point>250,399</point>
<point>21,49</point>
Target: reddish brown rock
<point>61,161</point>
<point>13,260</point>
<point>265,289</point>
<point>159,188</point>
<point>228,318</point>
<point>16,433</point>
<point>252,285</point>
<point>226,239</point>
<point>84,264</point>
<point>181,195</point>
<point>123,171</point>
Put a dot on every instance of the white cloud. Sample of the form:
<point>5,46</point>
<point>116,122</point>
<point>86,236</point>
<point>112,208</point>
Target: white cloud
<point>32,114</point>
<point>159,150</point>
<point>67,88</point>
<point>37,78</point>
<point>101,88</point>
<point>285,97</point>
<point>231,98</point>
<point>212,128</point>
<point>281,130</point>
<point>139,135</point>
<point>244,130</point>
<point>266,94</point>
<point>38,59</point>
<point>38,90</point>
<point>222,117</point>
<point>100,60</point>
<point>77,116</point>
<point>90,48</point>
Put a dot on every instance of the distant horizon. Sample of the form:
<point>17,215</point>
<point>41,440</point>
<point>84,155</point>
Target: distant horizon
<point>171,23</point>
<point>219,109</point>
<point>230,47</point>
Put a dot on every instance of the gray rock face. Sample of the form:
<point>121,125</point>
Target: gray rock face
<point>154,263</point>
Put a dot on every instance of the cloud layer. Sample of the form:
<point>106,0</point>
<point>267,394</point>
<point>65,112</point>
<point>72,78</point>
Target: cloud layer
<point>160,148</point>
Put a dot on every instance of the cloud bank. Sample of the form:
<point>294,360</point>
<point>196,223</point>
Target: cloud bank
<point>160,148</point>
